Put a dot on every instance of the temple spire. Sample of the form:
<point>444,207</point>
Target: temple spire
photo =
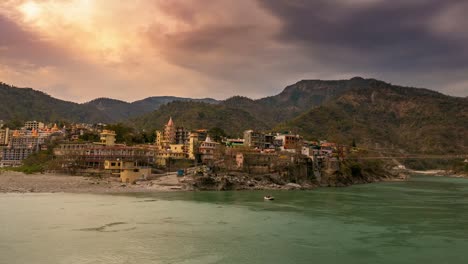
<point>170,123</point>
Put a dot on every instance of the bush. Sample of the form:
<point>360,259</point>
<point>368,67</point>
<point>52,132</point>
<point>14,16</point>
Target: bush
<point>356,170</point>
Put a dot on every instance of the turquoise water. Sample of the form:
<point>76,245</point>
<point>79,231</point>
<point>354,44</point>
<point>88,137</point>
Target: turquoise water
<point>421,221</point>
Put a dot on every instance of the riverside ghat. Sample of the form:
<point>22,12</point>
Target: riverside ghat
<point>184,159</point>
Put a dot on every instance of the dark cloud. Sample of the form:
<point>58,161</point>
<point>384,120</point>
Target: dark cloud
<point>383,34</point>
<point>221,48</point>
<point>229,42</point>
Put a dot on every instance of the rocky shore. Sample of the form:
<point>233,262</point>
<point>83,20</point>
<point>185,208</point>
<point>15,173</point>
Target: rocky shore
<point>47,183</point>
<point>244,181</point>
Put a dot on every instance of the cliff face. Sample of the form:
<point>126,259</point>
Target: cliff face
<point>243,181</point>
<point>360,172</point>
<point>350,172</point>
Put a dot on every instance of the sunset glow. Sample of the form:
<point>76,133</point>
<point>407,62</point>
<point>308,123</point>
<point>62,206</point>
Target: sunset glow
<point>220,47</point>
<point>30,10</point>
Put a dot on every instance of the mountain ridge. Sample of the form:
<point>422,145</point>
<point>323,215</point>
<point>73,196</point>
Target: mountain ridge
<point>366,110</point>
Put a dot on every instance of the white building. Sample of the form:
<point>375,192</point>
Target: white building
<point>30,125</point>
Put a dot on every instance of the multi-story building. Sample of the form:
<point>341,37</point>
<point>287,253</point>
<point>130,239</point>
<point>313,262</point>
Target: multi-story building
<point>166,137</point>
<point>182,136</point>
<point>21,144</point>
<point>270,141</point>
<point>34,125</point>
<point>208,151</point>
<point>290,142</point>
<point>94,155</point>
<point>108,138</point>
<point>14,156</point>
<point>169,136</point>
<point>254,139</point>
<point>4,136</point>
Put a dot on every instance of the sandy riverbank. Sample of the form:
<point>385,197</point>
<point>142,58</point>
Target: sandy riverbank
<point>49,183</point>
<point>440,173</point>
<point>11,182</point>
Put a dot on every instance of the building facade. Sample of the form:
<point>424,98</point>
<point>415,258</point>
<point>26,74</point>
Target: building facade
<point>30,125</point>
<point>254,139</point>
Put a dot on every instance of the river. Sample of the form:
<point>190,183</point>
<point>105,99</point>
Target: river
<point>424,220</point>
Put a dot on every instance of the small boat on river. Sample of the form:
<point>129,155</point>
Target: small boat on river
<point>268,198</point>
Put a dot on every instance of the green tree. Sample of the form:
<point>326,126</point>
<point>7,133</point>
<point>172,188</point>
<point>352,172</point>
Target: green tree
<point>217,134</point>
<point>89,137</point>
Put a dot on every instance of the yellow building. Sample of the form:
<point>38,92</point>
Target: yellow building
<point>129,171</point>
<point>177,148</point>
<point>158,141</point>
<point>108,138</point>
<point>193,146</point>
<point>162,156</point>
<point>131,175</point>
<point>113,165</point>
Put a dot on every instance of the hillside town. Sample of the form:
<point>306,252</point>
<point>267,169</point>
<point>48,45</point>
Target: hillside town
<point>175,149</point>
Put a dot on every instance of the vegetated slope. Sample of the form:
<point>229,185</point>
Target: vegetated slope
<point>386,116</point>
<point>296,98</point>
<point>195,115</point>
<point>27,104</point>
<point>120,110</point>
<point>117,110</point>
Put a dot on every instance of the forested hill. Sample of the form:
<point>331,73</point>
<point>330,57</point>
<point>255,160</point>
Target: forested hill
<point>120,110</point>
<point>367,111</point>
<point>27,104</point>
<point>24,104</point>
<point>390,117</point>
<point>298,98</point>
<point>199,115</point>
<point>370,112</point>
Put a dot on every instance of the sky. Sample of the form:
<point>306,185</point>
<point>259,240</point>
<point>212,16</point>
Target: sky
<point>79,50</point>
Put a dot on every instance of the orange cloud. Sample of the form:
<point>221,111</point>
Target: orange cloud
<point>82,49</point>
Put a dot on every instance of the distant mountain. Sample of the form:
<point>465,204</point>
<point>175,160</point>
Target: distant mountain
<point>371,112</point>
<point>194,115</point>
<point>119,110</point>
<point>27,104</point>
<point>391,117</point>
<point>296,98</point>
